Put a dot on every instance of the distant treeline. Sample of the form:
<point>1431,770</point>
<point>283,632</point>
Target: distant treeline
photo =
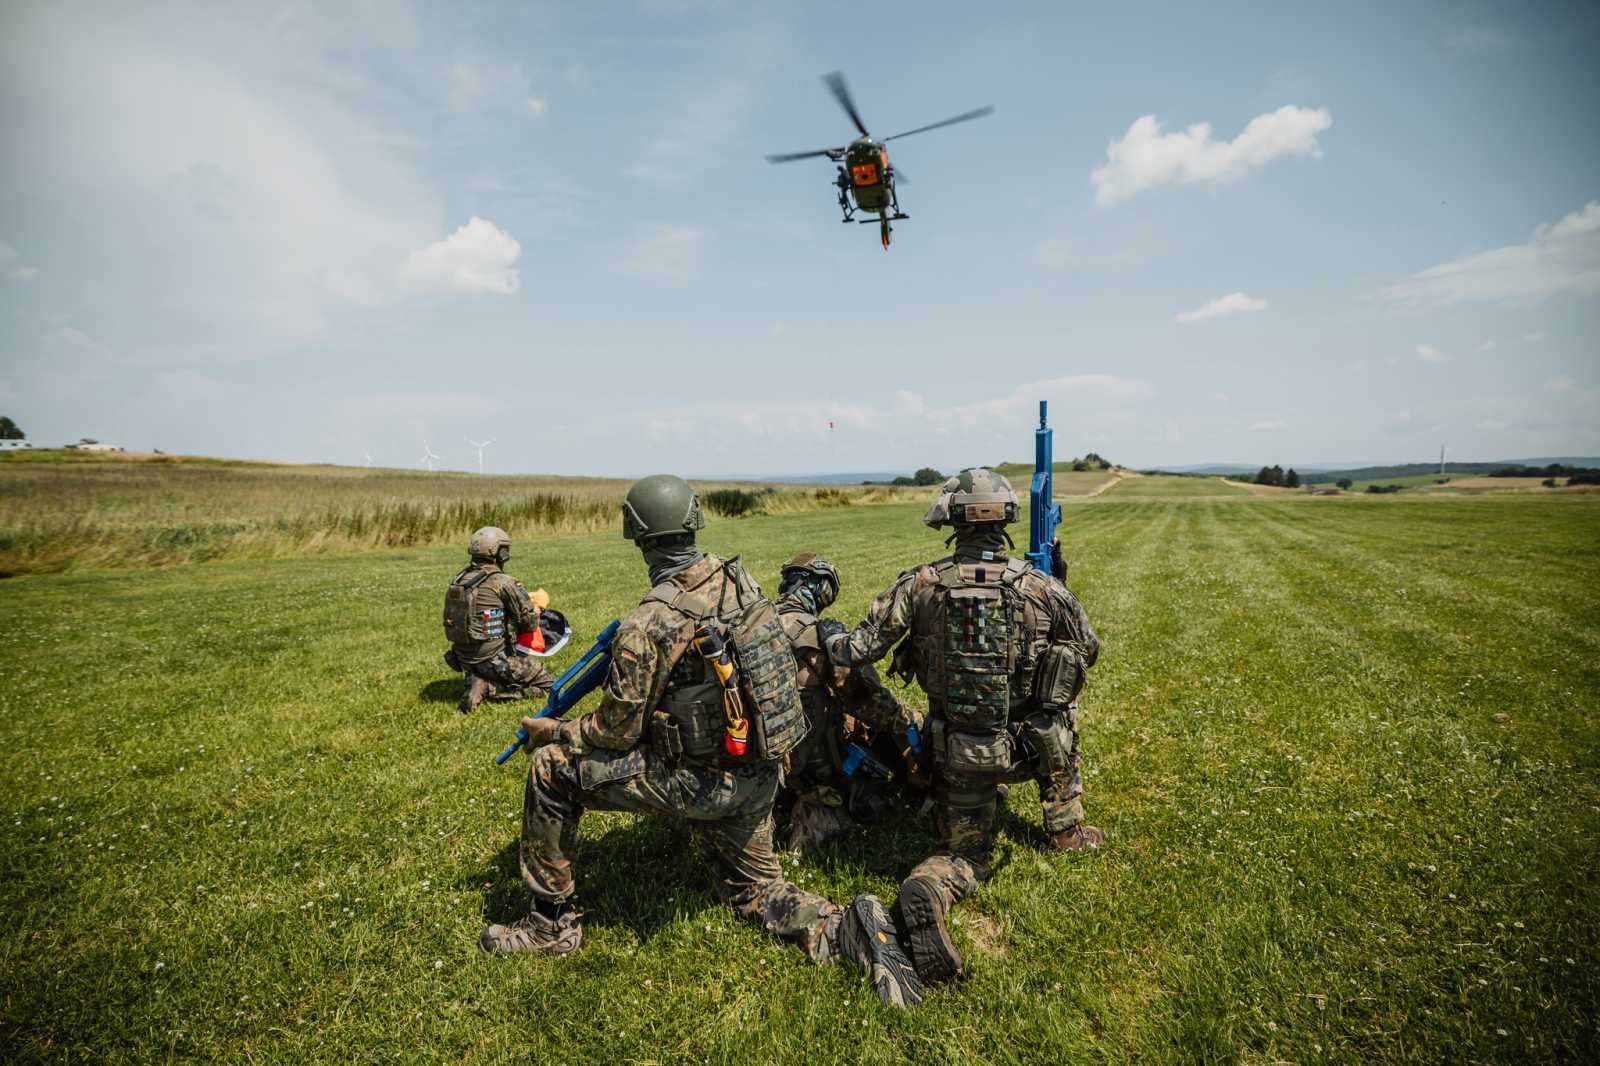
<point>1575,475</point>
<point>1380,473</point>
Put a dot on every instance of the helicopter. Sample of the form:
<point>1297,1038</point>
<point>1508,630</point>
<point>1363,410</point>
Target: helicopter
<point>866,180</point>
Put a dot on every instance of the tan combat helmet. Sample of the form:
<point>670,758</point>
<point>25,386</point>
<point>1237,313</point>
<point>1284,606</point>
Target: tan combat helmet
<point>490,544</point>
<point>811,565</point>
<point>974,495</point>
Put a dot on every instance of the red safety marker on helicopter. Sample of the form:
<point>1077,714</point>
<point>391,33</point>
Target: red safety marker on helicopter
<point>865,176</point>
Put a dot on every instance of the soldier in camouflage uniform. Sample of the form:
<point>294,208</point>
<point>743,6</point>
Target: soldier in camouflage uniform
<point>838,702</point>
<point>489,620</point>
<point>662,741</point>
<point>1000,648</point>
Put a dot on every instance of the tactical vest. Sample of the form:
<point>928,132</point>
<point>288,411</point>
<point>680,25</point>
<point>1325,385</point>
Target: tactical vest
<point>466,621</point>
<point>765,664</point>
<point>973,647</point>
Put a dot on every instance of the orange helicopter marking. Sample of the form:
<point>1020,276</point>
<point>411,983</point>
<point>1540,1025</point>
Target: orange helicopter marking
<point>865,174</point>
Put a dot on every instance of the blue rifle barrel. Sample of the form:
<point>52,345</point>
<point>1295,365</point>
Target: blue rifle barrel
<point>1044,513</point>
<point>589,671</point>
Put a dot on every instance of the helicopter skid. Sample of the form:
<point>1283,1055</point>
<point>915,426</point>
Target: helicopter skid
<point>870,221</point>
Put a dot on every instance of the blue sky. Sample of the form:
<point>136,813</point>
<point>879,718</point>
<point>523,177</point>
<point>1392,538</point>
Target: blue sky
<point>1259,233</point>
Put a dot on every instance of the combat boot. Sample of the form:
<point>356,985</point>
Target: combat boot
<point>477,690</point>
<point>868,938</point>
<point>1079,838</point>
<point>924,914</point>
<point>536,934</point>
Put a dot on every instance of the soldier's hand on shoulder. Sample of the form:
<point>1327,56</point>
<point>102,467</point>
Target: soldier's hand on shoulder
<point>828,628</point>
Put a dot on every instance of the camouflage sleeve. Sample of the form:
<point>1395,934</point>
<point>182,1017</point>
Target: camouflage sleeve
<point>634,684</point>
<point>887,621</point>
<point>521,616</point>
<point>870,700</point>
<point>1072,623</point>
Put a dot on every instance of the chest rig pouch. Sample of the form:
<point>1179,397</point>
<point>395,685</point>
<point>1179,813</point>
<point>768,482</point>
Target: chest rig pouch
<point>974,651</point>
<point>463,622</point>
<point>729,602</point>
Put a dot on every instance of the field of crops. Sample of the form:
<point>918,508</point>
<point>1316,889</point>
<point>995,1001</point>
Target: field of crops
<point>65,510</point>
<point>1347,752</point>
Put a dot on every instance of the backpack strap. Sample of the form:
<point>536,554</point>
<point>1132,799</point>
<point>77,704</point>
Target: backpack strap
<point>478,577</point>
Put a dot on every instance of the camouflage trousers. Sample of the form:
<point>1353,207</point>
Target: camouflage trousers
<point>728,811</point>
<point>514,677</point>
<point>966,806</point>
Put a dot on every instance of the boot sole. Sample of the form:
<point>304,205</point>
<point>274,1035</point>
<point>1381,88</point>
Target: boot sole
<point>923,916</point>
<point>889,970</point>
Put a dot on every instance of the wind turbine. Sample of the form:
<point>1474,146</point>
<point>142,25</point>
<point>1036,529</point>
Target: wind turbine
<point>427,457</point>
<point>480,446</point>
<point>369,459</point>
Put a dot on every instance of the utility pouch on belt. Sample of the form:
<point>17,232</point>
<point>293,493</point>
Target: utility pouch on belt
<point>1058,677</point>
<point>665,738</point>
<point>1047,740</point>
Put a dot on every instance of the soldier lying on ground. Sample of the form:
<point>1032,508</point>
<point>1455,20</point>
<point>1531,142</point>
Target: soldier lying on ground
<point>844,706</point>
<point>679,732</point>
<point>492,625</point>
<point>1001,649</point>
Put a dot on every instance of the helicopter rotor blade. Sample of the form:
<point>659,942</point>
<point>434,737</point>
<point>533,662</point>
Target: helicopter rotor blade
<point>841,92</point>
<point>966,117</point>
<point>789,157</point>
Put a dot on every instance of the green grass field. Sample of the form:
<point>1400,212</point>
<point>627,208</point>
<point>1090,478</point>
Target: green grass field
<point>244,822</point>
<point>1157,485</point>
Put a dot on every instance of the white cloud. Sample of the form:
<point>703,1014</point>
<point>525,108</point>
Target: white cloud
<point>1563,256</point>
<point>664,251</point>
<point>1146,157</point>
<point>1533,338</point>
<point>23,274</point>
<point>478,257</point>
<point>1486,346</point>
<point>1492,425</point>
<point>537,105</point>
<point>1269,424</point>
<point>8,254</point>
<point>1234,303</point>
<point>1429,354</point>
<point>1561,383</point>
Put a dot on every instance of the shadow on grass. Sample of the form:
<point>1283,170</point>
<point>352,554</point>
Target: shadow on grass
<point>642,875</point>
<point>444,690</point>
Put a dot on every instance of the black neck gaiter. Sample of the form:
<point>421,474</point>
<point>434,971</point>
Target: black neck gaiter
<point>666,556</point>
<point>986,541</point>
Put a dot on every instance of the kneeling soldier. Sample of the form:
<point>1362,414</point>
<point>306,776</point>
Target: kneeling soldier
<point>843,705</point>
<point>696,714</point>
<point>1001,649</point>
<point>492,625</point>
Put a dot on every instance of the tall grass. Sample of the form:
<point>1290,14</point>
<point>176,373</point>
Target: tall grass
<point>121,513</point>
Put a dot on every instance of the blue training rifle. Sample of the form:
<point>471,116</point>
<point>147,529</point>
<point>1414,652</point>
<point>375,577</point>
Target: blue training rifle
<point>580,679</point>
<point>1044,514</point>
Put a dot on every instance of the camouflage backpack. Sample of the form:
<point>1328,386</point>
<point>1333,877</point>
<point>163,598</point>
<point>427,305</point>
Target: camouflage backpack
<point>464,623</point>
<point>973,651</point>
<point>766,669</point>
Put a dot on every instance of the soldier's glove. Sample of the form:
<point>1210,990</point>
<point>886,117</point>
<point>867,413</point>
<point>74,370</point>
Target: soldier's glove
<point>1058,564</point>
<point>828,628</point>
<point>541,731</point>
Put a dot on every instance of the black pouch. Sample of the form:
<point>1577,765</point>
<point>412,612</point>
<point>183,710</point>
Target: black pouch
<point>665,738</point>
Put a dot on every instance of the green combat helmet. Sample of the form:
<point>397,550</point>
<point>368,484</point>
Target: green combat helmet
<point>490,544</point>
<point>974,495</point>
<point>659,506</point>
<point>822,574</point>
